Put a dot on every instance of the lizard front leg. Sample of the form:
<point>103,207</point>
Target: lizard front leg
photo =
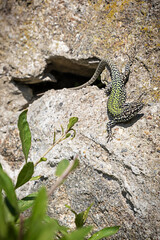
<point>124,75</point>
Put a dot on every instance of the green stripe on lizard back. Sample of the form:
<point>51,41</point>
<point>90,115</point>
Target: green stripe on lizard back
<point>118,94</point>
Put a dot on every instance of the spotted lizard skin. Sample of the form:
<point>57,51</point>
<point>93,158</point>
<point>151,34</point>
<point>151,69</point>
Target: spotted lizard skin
<point>117,108</point>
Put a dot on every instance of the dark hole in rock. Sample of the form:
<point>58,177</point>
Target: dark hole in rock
<point>60,73</point>
<point>64,80</point>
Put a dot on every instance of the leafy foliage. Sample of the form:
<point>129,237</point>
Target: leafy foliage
<point>105,232</point>
<point>24,133</point>
<point>25,174</point>
<point>39,226</point>
<point>61,167</point>
<point>80,218</point>
<point>27,201</point>
<point>8,187</point>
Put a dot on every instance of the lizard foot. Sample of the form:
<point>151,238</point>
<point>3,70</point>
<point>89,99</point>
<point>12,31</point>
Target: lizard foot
<point>109,137</point>
<point>110,124</point>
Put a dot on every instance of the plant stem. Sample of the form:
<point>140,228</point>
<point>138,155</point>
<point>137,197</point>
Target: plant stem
<point>62,177</point>
<point>20,236</point>
<point>48,150</point>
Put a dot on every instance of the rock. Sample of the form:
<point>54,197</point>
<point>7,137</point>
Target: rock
<point>66,35</point>
<point>119,177</point>
<point>43,41</point>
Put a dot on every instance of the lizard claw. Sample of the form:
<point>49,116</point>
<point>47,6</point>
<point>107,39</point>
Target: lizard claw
<point>109,137</point>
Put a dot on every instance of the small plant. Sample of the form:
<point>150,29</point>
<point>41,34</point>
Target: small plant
<point>39,226</point>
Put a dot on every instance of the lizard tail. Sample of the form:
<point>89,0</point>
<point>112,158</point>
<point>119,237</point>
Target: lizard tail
<point>98,71</point>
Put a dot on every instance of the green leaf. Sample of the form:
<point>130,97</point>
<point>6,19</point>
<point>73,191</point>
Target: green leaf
<point>41,231</point>
<point>68,135</point>
<point>25,134</point>
<point>67,206</point>
<point>78,234</point>
<point>54,138</point>
<point>37,226</point>
<point>71,123</point>
<point>25,174</point>
<point>35,178</point>
<point>60,228</point>
<point>79,221</point>
<point>3,225</point>
<point>61,167</point>
<point>62,129</point>
<point>63,229</point>
<point>27,201</point>
<point>85,215</point>
<point>82,217</point>
<point>9,212</point>
<point>7,185</point>
<point>76,164</point>
<point>42,159</point>
<point>40,206</point>
<point>105,232</point>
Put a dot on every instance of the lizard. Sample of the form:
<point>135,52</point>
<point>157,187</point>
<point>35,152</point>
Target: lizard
<point>118,110</point>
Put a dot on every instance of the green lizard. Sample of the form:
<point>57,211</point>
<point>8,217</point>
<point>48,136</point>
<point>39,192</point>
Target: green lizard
<point>117,108</point>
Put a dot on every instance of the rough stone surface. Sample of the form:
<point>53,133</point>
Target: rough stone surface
<point>41,38</point>
<point>37,33</point>
<point>121,177</point>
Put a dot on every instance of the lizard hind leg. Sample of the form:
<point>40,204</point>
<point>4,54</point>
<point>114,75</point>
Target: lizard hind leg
<point>110,124</point>
<point>130,110</point>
